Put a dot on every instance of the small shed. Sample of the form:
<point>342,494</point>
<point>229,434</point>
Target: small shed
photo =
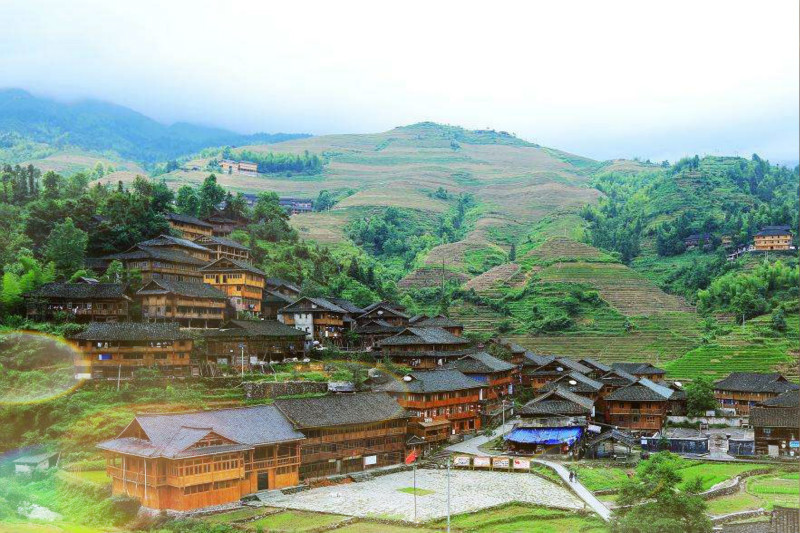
<point>31,463</point>
<point>549,440</point>
<point>677,440</point>
<point>613,443</point>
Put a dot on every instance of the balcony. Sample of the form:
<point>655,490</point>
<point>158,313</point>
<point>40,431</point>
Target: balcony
<point>429,404</point>
<point>644,412</point>
<point>133,476</point>
<point>262,464</point>
<point>176,480</point>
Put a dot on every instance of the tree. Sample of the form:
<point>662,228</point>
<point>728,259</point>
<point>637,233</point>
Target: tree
<point>211,194</point>
<point>187,201</point>
<point>512,253</point>
<point>324,201</point>
<point>66,247</point>
<point>652,503</point>
<point>779,319</point>
<point>700,396</point>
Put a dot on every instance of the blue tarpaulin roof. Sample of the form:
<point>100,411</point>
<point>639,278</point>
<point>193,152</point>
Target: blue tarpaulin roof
<point>545,435</point>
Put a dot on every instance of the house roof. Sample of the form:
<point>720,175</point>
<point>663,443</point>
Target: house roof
<point>439,321</point>
<point>512,346</point>
<point>643,390</point>
<point>341,409</point>
<point>480,363</point>
<point>536,360</point>
<point>441,380</point>
<point>618,377</point>
<point>406,354</point>
<point>275,296</point>
<point>416,318</point>
<point>182,288</point>
<point>384,303</point>
<point>81,291</point>
<point>595,364</point>
<point>615,435</point>
<point>774,230</point>
<point>545,436</point>
<point>254,328</point>
<point>755,382</point>
<point>415,335</point>
<point>637,368</point>
<point>279,282</point>
<point>382,308</point>
<point>774,416</point>
<point>34,459</point>
<point>158,252</point>
<point>583,384</point>
<point>560,362</point>
<point>169,240</point>
<point>347,305</point>
<point>186,219</point>
<point>227,264</point>
<point>131,331</point>
<point>169,435</point>
<point>378,326</point>
<point>787,399</point>
<point>307,303</point>
<point>224,241</point>
<point>558,401</point>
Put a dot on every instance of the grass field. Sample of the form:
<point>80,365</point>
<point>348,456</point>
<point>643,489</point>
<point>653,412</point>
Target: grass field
<point>418,492</point>
<point>98,477</point>
<point>601,476</point>
<point>712,473</point>
<point>239,514</point>
<point>295,521</point>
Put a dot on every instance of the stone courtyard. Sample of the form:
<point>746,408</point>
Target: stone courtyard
<point>469,491</point>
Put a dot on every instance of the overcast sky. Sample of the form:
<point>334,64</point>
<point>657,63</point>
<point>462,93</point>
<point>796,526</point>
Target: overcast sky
<point>602,79</point>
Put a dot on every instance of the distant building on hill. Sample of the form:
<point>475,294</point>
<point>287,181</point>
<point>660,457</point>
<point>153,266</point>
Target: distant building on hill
<point>773,238</point>
<point>294,206</point>
<point>242,167</point>
<point>697,240</point>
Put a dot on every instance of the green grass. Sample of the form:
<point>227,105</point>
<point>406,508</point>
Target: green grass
<point>546,472</point>
<point>92,476</point>
<point>741,501</point>
<point>294,521</point>
<point>571,524</point>
<point>776,489</point>
<point>600,476</point>
<point>712,473</point>
<point>238,514</point>
<point>376,527</point>
<point>417,491</point>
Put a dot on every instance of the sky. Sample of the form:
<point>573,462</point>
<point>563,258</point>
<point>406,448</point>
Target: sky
<point>656,80</point>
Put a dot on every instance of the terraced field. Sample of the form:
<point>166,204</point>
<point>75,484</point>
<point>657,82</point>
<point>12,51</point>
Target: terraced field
<point>565,249</point>
<point>487,283</point>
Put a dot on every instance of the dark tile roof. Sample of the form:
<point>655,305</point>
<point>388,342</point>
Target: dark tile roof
<point>416,318</point>
<point>307,304</point>
<point>131,331</point>
<point>275,296</point>
<point>81,291</point>
<point>439,321</point>
<point>774,230</point>
<point>169,240</point>
<point>255,328</point>
<point>415,335</point>
<point>512,346</point>
<point>182,288</point>
<point>558,401</point>
<point>186,219</point>
<point>278,282</point>
<point>158,252</point>
<point>347,305</point>
<point>637,368</point>
<point>380,309</point>
<point>378,326</point>
<point>341,409</point>
<point>444,354</point>
<point>754,382</point>
<point>224,241</point>
<point>559,362</point>
<point>774,416</point>
<point>617,435</point>
<point>480,363</point>
<point>169,435</point>
<point>643,390</point>
<point>583,384</point>
<point>618,377</point>
<point>536,360</point>
<point>226,264</point>
<point>595,364</point>
<point>787,399</point>
<point>384,303</point>
<point>426,381</point>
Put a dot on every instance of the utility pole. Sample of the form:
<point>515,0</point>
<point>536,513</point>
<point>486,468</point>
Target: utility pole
<point>119,374</point>
<point>242,347</point>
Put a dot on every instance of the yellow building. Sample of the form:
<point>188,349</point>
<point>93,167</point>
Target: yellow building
<point>189,227</point>
<point>241,282</point>
<point>773,238</point>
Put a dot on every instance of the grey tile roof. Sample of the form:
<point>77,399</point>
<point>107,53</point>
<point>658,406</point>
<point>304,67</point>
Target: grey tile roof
<point>595,364</point>
<point>416,318</point>
<point>254,328</point>
<point>637,368</point>
<point>774,230</point>
<point>583,384</point>
<point>182,288</point>
<point>186,219</point>
<point>81,291</point>
<point>774,416</point>
<point>787,399</point>
<point>169,240</point>
<point>439,321</point>
<point>347,305</point>
<point>226,264</point>
<point>341,409</point>
<point>384,303</point>
<point>307,304</point>
<point>512,346</point>
<point>425,381</point>
<point>618,377</point>
<point>278,282</point>
<point>224,241</point>
<point>558,401</point>
<point>378,326</point>
<point>34,459</point>
<point>158,252</point>
<point>405,354</point>
<point>643,390</point>
<point>616,435</point>
<point>480,363</point>
<point>754,382</point>
<point>415,335</point>
<point>380,309</point>
<point>531,359</point>
<point>170,434</point>
<point>275,296</point>
<point>131,331</point>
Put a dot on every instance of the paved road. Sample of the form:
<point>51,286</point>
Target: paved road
<point>471,447</point>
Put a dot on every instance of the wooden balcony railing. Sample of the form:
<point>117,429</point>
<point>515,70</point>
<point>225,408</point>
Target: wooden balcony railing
<point>151,480</point>
<point>261,464</point>
<point>205,477</point>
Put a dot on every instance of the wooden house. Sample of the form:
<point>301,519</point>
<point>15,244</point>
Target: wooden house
<point>641,370</point>
<point>241,282</point>
<point>189,227</point>
<point>498,377</point>
<point>272,302</point>
<point>282,286</point>
<point>552,370</point>
<point>742,390</point>
<point>530,362</point>
<point>251,342</point>
<point>221,225</point>
<point>347,433</point>
<point>441,402</point>
<point>191,248</point>
<point>83,301</point>
<point>577,383</point>
<point>640,407</point>
<point>414,339</point>
<point>517,351</point>
<point>112,350</point>
<point>773,238</point>
<point>353,311</point>
<point>698,240</point>
<point>294,206</point>
<point>223,247</point>
<point>190,461</point>
<point>443,322</point>
<point>775,424</point>
<point>190,304</point>
<point>612,380</point>
<point>383,311</point>
<point>161,263</point>
<point>28,464</point>
<point>321,319</point>
<point>596,368</point>
<point>373,332</point>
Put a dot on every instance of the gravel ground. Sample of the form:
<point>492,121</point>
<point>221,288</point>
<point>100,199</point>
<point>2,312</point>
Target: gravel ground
<point>469,491</point>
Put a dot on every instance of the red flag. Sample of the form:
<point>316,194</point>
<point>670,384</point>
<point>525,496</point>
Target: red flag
<point>411,457</point>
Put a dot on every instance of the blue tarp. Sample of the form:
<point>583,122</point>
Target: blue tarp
<point>545,435</point>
